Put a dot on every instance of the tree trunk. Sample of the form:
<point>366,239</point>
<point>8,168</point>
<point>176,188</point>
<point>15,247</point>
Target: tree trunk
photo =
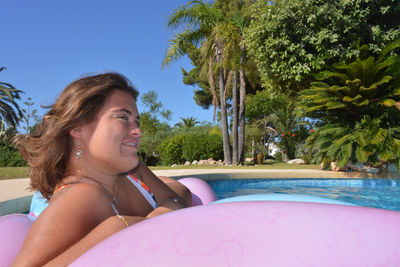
<point>235,121</point>
<point>242,103</point>
<point>224,120</point>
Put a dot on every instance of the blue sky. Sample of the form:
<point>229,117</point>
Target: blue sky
<point>46,44</point>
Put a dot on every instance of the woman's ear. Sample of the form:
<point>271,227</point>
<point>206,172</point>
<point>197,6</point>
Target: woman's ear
<point>76,132</point>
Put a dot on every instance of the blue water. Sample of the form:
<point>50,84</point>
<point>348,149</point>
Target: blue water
<point>377,193</point>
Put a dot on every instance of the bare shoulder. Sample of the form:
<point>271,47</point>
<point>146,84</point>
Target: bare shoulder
<point>81,199</point>
<point>70,216</point>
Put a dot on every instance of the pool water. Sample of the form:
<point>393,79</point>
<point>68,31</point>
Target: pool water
<point>377,193</point>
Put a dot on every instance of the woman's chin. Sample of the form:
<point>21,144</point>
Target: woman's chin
<point>131,164</point>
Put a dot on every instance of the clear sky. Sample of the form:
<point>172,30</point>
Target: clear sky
<point>46,44</point>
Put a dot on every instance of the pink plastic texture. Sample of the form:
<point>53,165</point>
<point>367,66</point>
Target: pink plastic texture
<point>256,234</point>
<point>13,229</point>
<point>202,193</point>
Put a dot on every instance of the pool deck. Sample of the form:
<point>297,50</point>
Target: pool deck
<point>15,195</point>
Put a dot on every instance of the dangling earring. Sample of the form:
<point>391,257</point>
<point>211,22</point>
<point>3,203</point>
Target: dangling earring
<point>78,153</point>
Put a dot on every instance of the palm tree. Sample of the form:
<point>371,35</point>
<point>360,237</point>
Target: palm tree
<point>201,21</point>
<point>231,34</point>
<point>9,109</point>
<point>188,122</point>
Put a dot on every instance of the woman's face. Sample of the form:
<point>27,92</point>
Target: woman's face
<point>111,141</point>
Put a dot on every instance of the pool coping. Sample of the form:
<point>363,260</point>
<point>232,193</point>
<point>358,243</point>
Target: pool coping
<point>15,195</point>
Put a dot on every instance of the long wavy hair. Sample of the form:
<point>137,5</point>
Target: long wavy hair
<point>48,148</point>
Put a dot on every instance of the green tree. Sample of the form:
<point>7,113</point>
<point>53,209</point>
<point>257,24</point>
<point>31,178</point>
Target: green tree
<point>293,39</point>
<point>9,108</point>
<point>355,104</point>
<point>218,28</point>
<point>30,116</point>
<point>186,123</point>
<point>275,114</point>
<point>154,127</point>
<point>200,21</point>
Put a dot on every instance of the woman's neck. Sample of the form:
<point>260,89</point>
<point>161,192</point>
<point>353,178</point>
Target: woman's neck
<point>78,169</point>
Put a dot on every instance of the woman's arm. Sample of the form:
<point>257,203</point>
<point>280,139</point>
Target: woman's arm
<point>102,231</point>
<point>71,215</point>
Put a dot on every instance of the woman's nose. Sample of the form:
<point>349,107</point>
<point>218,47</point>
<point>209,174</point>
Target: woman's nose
<point>136,131</point>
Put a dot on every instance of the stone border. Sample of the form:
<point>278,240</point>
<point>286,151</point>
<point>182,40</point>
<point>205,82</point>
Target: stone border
<point>212,174</point>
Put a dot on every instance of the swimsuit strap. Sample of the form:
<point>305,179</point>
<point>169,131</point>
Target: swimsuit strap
<point>144,189</point>
<point>60,188</point>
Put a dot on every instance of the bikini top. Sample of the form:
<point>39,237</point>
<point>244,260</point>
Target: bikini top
<point>140,185</point>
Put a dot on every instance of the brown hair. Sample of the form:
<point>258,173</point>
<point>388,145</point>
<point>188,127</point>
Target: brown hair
<point>48,149</point>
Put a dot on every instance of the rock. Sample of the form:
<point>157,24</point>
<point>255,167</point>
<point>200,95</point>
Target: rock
<point>187,163</point>
<point>194,162</point>
<point>371,170</point>
<point>392,168</point>
<point>357,167</point>
<point>173,165</point>
<point>336,168</point>
<point>296,161</point>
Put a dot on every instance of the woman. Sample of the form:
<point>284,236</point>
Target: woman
<point>78,156</point>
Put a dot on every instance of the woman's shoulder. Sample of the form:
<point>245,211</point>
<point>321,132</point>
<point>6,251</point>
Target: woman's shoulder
<point>83,199</point>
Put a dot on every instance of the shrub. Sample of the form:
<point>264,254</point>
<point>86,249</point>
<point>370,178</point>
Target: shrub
<point>171,149</point>
<point>185,147</point>
<point>198,147</point>
<point>9,156</point>
<point>278,156</point>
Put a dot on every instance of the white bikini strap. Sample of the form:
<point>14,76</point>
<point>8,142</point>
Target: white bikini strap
<point>144,192</point>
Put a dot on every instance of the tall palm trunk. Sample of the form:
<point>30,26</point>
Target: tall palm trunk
<point>242,109</point>
<point>235,120</point>
<point>224,118</point>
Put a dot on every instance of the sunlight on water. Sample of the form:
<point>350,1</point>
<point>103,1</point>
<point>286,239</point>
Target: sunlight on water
<point>377,193</point>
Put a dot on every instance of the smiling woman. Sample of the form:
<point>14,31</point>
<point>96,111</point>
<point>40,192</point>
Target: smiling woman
<point>80,156</point>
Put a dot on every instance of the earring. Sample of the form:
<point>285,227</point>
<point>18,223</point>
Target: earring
<point>78,153</point>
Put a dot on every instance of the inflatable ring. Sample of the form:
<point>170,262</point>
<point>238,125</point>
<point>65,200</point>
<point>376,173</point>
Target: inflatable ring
<point>256,234</point>
<point>13,230</point>
<point>202,193</point>
<point>284,197</point>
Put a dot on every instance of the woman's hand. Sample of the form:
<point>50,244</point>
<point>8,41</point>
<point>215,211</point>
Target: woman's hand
<point>167,205</point>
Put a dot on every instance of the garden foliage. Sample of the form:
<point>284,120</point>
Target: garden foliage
<point>181,148</point>
<point>9,156</point>
<point>274,114</point>
<point>198,147</point>
<point>292,39</point>
<point>358,105</point>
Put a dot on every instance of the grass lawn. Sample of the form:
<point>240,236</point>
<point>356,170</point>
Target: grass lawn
<point>13,172</point>
<point>23,172</point>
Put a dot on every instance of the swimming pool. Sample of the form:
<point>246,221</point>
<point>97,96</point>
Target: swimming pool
<point>377,193</point>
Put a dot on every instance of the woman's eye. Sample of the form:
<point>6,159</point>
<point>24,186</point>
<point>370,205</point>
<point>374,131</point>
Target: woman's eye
<point>123,117</point>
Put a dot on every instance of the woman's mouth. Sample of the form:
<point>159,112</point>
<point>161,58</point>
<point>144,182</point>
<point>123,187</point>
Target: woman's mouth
<point>130,144</point>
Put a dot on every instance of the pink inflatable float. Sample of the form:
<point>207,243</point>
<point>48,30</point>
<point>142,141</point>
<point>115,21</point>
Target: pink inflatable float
<point>13,229</point>
<point>202,194</point>
<point>256,234</point>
